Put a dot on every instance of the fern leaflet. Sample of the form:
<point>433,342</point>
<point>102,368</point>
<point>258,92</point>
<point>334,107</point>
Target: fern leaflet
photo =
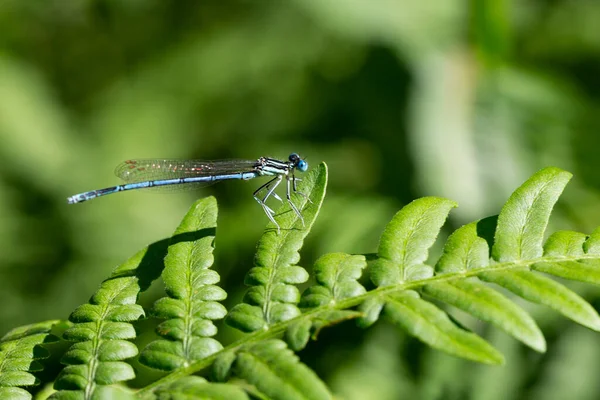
<point>102,330</point>
<point>193,297</point>
<point>20,353</point>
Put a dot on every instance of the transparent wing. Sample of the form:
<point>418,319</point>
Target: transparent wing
<point>143,170</point>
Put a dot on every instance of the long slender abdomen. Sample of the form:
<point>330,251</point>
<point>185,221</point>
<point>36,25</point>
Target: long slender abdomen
<point>81,197</point>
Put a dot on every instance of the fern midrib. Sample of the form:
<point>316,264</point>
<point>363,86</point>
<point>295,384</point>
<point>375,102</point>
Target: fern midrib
<point>91,385</point>
<point>280,327</point>
<point>338,271</point>
<point>468,255</point>
<point>189,301</point>
<point>413,230</point>
<point>188,310</point>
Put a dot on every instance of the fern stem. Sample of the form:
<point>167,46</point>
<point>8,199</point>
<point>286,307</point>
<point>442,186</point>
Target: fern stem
<point>91,386</point>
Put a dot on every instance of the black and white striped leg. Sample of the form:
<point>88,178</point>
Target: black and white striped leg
<point>289,199</point>
<point>294,179</point>
<point>267,186</point>
<point>262,203</point>
<point>277,181</point>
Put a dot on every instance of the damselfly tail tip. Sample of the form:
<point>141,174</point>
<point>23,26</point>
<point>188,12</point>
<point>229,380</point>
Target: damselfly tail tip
<point>73,200</point>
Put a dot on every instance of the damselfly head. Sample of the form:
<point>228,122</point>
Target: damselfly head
<point>298,163</point>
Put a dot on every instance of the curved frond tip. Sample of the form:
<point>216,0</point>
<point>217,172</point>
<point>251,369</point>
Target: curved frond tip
<point>273,297</point>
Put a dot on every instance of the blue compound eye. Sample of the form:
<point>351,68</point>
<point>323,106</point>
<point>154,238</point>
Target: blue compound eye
<point>294,157</point>
<point>302,165</point>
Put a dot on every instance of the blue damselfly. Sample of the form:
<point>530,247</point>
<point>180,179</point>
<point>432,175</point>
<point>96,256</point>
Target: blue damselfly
<point>155,173</point>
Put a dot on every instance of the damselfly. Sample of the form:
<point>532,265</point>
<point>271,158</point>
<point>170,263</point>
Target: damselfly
<point>143,174</point>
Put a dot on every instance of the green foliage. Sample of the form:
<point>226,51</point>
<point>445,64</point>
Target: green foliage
<point>20,353</point>
<point>102,330</point>
<point>337,277</point>
<point>507,250</point>
<point>276,372</point>
<point>193,297</point>
<point>524,217</point>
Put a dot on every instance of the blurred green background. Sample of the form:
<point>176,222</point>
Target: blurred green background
<point>401,98</point>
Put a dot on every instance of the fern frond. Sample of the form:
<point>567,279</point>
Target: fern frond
<point>465,251</point>
<point>193,296</point>
<point>273,297</point>
<point>20,352</point>
<point>403,249</point>
<point>102,330</point>
<point>516,253</point>
<point>507,250</point>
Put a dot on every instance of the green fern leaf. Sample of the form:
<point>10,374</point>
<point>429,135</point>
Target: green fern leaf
<point>20,352</point>
<point>405,242</point>
<point>14,393</point>
<point>432,325</point>
<point>465,251</point>
<point>519,237</point>
<point>272,297</point>
<point>298,333</point>
<point>103,327</point>
<point>524,217</point>
<point>542,290</point>
<point>370,310</point>
<point>516,250</point>
<point>275,371</point>
<point>577,256</point>
<point>193,301</point>
<point>402,252</point>
<point>337,277</point>
<point>309,326</point>
<point>481,301</point>
<point>195,387</point>
<point>221,368</point>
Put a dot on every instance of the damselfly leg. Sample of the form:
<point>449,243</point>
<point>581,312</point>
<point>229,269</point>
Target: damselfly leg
<point>294,179</point>
<point>289,199</point>
<point>270,191</point>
